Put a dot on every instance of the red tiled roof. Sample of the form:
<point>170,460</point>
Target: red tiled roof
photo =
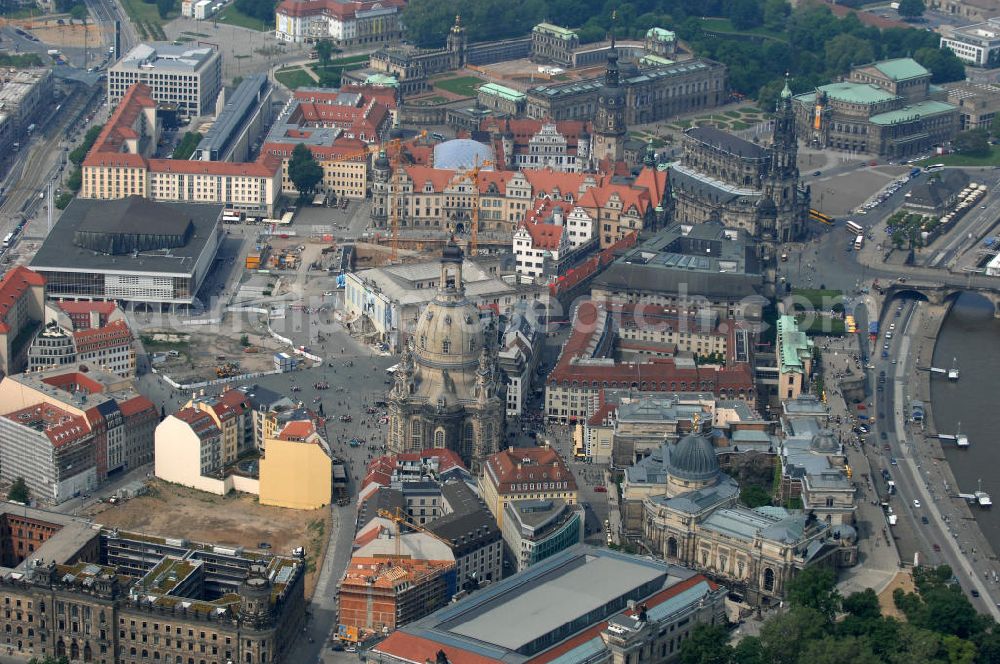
<point>15,284</point>
<point>528,464</point>
<point>342,149</point>
<point>342,10</point>
<point>199,421</point>
<point>114,334</point>
<point>103,307</point>
<point>543,236</point>
<point>265,167</point>
<point>656,374</point>
<point>107,149</point>
<point>61,427</point>
<point>298,430</point>
<point>549,181</point>
<point>136,405</point>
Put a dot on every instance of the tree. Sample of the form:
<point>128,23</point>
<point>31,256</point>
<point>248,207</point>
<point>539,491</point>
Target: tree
<point>843,51</point>
<point>164,7</point>
<point>79,153</point>
<point>831,650</point>
<point>75,180</point>
<point>863,604</point>
<point>754,496</point>
<point>303,170</point>
<point>911,8</point>
<point>78,12</point>
<point>262,10</point>
<point>19,491</point>
<point>187,146</point>
<point>746,14</point>
<point>776,14</point>
<point>943,64</point>
<point>244,340</point>
<point>324,49</point>
<point>49,660</point>
<point>974,142</point>
<point>784,636</point>
<point>815,588</point>
<point>706,645</point>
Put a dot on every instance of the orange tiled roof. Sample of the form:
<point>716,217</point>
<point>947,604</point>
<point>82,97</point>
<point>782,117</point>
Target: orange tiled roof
<point>15,284</point>
<point>60,426</point>
<point>107,149</point>
<point>116,333</point>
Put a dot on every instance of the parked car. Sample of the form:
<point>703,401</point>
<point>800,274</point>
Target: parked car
<point>916,503</point>
<point>601,489</point>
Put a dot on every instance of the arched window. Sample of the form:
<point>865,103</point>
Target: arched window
<point>672,547</point>
<point>768,579</point>
<point>439,437</point>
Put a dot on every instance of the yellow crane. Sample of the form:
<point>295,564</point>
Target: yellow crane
<point>399,517</point>
<point>472,175</point>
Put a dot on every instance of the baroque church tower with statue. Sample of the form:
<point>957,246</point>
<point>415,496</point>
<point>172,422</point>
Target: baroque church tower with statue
<point>448,391</point>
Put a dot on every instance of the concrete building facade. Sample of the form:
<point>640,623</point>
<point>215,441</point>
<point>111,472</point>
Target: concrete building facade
<point>185,77</point>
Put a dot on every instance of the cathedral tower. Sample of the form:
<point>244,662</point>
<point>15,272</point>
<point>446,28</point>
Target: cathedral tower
<point>448,391</point>
<point>456,44</point>
<point>609,122</point>
<point>781,183</point>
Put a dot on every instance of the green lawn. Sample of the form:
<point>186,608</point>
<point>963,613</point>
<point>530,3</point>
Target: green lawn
<point>294,78</point>
<point>725,26</point>
<point>992,159</point>
<point>233,16</point>
<point>462,85</point>
<point>143,13</point>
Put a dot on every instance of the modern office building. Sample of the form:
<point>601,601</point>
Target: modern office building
<point>583,604</point>
<point>131,250</point>
<point>237,127</point>
<point>183,76</point>
<point>534,530</point>
<point>978,44</point>
<point>24,101</point>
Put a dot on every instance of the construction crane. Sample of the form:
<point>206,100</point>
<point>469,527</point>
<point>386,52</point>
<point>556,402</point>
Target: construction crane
<point>472,175</point>
<point>395,194</point>
<point>398,517</point>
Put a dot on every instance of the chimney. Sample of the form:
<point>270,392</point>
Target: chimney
<point>557,216</point>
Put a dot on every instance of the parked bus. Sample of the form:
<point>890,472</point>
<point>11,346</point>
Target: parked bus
<point>7,240</point>
<point>854,228</point>
<point>231,217</point>
<point>816,215</point>
<point>930,168</point>
<point>859,241</point>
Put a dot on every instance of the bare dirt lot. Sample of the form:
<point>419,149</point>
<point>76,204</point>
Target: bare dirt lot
<point>236,520</point>
<point>198,354</point>
<point>903,580</point>
<point>50,32</point>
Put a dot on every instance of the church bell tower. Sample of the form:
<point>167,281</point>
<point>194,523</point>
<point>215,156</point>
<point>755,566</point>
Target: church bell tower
<point>609,122</point>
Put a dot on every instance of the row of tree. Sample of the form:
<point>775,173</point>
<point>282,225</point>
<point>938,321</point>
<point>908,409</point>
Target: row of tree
<point>821,627</point>
<point>770,37</point>
<point>262,10</point>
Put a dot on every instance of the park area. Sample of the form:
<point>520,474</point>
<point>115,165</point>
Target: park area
<point>462,86</point>
<point>169,510</point>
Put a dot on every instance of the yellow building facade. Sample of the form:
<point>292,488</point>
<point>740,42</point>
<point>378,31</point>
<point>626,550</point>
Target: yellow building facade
<point>295,474</point>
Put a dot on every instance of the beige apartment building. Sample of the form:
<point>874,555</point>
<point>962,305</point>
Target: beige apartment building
<point>120,164</point>
<point>525,473</point>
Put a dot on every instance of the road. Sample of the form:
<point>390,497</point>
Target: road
<point>106,12</point>
<point>908,473</point>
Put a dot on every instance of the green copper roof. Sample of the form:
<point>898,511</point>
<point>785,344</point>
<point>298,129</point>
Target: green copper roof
<point>502,91</point>
<point>563,33</point>
<point>856,93</point>
<point>912,112</point>
<point>659,34</point>
<point>382,80</point>
<point>654,60</point>
<point>901,69</point>
<point>794,346</point>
